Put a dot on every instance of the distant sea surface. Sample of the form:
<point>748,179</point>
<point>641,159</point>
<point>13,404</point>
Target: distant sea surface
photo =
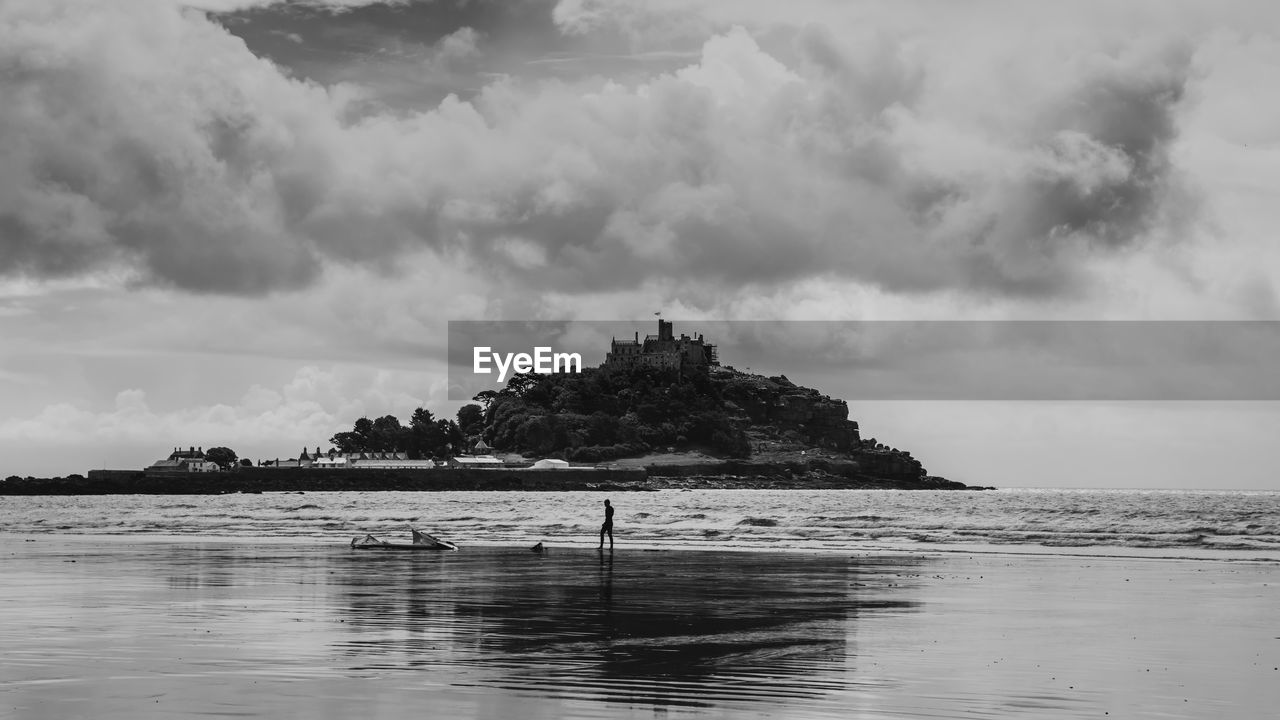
<point>1155,523</point>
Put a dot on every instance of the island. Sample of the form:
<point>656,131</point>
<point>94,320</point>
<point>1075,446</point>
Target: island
<point>660,413</point>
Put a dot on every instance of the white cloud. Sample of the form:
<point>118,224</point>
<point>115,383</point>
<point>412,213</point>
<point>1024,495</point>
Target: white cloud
<point>461,44</point>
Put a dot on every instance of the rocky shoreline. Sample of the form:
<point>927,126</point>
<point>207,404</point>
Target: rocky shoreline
<point>729,475</point>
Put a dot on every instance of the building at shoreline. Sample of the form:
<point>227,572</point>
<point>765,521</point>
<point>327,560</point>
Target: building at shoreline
<point>474,461</point>
<point>664,351</point>
<point>352,460</point>
<point>383,460</point>
<point>191,460</point>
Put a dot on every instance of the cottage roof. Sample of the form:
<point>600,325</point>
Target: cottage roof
<point>478,460</point>
<point>550,464</point>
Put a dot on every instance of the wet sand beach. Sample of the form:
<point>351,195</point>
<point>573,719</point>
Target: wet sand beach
<point>123,628</point>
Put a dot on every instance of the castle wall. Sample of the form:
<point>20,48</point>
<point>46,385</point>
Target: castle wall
<point>663,351</point>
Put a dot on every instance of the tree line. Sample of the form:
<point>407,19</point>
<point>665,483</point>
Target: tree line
<point>425,436</point>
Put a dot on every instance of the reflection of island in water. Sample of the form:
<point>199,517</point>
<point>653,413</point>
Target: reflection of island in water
<point>669,628</point>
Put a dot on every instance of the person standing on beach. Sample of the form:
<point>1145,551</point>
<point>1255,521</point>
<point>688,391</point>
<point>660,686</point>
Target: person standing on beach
<point>607,527</point>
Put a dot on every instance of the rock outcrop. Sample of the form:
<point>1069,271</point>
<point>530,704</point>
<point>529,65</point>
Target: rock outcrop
<point>792,426</point>
<point>788,410</point>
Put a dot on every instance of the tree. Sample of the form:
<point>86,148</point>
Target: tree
<point>424,434</point>
<point>363,427</point>
<point>225,457</point>
<point>471,419</point>
<point>421,417</point>
<point>537,434</point>
<point>357,439</point>
<point>388,435</point>
<point>246,462</point>
<point>451,438</point>
<point>519,384</point>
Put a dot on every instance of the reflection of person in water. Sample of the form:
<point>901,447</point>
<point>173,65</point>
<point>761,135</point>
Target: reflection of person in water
<point>607,527</point>
<point>606,579</point>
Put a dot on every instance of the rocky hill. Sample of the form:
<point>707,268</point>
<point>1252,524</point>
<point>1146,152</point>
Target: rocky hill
<point>762,431</point>
<point>778,408</point>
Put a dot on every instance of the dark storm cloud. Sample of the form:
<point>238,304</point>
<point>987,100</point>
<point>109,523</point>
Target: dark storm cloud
<point>1102,178</point>
<point>151,138</point>
<point>399,51</point>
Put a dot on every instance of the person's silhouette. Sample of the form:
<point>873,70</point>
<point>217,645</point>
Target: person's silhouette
<point>607,527</point>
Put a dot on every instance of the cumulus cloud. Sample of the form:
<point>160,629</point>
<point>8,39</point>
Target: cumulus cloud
<point>145,136</point>
<point>458,45</point>
<point>645,24</point>
<point>139,134</point>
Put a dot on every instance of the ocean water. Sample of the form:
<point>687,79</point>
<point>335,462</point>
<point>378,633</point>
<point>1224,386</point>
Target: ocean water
<point>1157,523</point>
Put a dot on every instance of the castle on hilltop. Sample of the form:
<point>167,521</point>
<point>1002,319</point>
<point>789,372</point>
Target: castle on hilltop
<point>663,350</point>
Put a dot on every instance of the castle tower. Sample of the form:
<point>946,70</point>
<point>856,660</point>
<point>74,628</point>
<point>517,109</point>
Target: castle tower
<point>665,331</point>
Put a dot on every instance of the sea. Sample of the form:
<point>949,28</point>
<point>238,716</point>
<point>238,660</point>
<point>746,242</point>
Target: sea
<point>1198,524</point>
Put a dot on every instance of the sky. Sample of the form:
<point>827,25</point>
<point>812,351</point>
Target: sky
<point>248,222</point>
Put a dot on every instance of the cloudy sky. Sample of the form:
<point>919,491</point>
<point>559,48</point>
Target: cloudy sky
<point>247,222</point>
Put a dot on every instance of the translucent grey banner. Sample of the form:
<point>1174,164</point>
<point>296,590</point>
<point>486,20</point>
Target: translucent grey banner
<point>918,360</point>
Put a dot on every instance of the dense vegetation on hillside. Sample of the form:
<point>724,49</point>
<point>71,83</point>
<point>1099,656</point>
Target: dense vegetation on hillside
<point>425,436</point>
<point>603,413</point>
<point>607,413</point>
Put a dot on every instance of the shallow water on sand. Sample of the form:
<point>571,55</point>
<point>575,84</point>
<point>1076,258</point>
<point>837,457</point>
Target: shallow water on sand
<point>1175,523</point>
<point>127,629</point>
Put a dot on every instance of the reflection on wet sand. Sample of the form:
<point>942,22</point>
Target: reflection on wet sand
<point>691,629</point>
<point>122,630</point>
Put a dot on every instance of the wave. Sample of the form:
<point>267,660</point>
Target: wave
<point>849,520</point>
